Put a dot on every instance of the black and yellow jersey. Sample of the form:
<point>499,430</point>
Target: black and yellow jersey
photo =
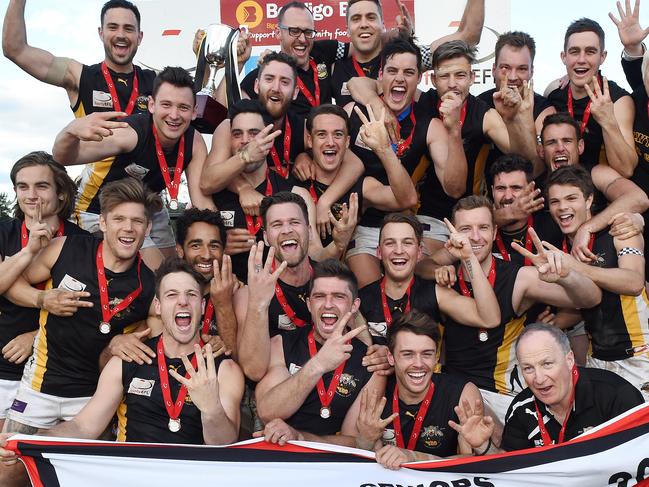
<point>490,364</point>
<point>142,415</point>
<point>434,201</point>
<point>619,324</point>
<point>16,320</point>
<point>140,163</point>
<point>94,95</point>
<point>65,361</point>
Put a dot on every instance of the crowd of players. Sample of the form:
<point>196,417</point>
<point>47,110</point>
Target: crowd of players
<point>244,321</point>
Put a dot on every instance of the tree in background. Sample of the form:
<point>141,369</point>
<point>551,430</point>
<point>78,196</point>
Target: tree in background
<point>6,206</point>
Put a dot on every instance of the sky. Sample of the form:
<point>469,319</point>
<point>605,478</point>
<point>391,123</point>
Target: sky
<point>32,113</point>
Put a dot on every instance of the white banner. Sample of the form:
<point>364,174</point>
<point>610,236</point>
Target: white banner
<point>615,454</point>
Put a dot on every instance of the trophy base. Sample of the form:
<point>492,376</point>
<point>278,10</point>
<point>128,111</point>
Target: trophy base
<point>210,114</point>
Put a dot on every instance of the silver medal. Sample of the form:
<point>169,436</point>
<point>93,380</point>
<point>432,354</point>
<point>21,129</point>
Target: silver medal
<point>173,205</point>
<point>325,412</point>
<point>174,425</point>
<point>104,327</point>
<point>483,336</point>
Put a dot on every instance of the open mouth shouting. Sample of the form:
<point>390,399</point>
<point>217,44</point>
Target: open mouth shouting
<point>183,320</point>
<point>398,94</point>
<point>560,161</point>
<point>329,319</point>
<point>566,219</point>
<point>417,377</point>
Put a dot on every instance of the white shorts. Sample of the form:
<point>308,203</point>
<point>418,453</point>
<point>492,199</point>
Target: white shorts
<point>577,330</point>
<point>8,390</point>
<point>498,403</point>
<point>161,235</point>
<point>364,241</point>
<point>634,369</point>
<point>433,228</point>
<point>43,410</point>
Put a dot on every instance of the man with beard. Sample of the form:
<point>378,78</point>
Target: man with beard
<point>514,65</point>
<point>486,356</point>
<point>315,374</point>
<point>211,387</point>
<point>618,326</point>
<point>115,84</point>
<point>63,371</point>
<point>561,401</point>
<point>418,402</point>
<point>399,290</point>
<point>274,300</point>
<point>155,148</point>
<point>367,35</point>
<point>604,111</point>
<point>44,201</point>
<point>471,126</point>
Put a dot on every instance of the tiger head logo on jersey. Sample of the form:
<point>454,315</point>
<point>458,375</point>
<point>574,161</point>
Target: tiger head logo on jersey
<point>432,436</point>
<point>346,385</point>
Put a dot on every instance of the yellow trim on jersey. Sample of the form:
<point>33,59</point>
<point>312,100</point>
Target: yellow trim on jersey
<point>40,347</point>
<point>635,312</point>
<point>122,420</point>
<point>603,159</point>
<point>132,327</point>
<point>80,112</point>
<point>479,168</point>
<point>88,189</point>
<point>417,177</point>
<point>506,355</point>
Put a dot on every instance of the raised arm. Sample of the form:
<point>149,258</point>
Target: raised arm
<point>251,307</point>
<point>616,120</point>
<point>470,28</point>
<point>41,64</point>
<point>444,139</point>
<point>93,138</point>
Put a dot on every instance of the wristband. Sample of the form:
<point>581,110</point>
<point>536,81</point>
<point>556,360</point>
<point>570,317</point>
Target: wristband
<point>40,299</point>
<point>485,450</point>
<point>630,251</point>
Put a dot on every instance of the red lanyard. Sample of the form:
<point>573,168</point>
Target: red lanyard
<point>528,243</point>
<point>462,112</point>
<point>312,192</point>
<point>313,101</point>
<point>325,396</point>
<point>253,224</point>
<point>172,186</point>
<point>283,170</point>
<point>24,238</point>
<point>419,420</point>
<point>402,145</point>
<point>173,409</point>
<point>564,245</point>
<point>107,313</point>
<point>586,116</point>
<point>483,333</point>
<point>207,316</point>
<point>384,301</point>
<point>113,92</point>
<point>281,299</point>
<point>545,435</point>
<point>24,233</point>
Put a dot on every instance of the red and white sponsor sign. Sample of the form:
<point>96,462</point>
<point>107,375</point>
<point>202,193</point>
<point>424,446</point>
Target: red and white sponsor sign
<point>615,454</point>
<point>260,18</point>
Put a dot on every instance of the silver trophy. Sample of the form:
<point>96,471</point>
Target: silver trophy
<point>219,53</point>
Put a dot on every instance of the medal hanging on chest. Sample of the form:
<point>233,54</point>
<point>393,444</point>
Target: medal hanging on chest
<point>107,312</point>
<point>325,396</point>
<point>483,333</point>
<point>173,408</point>
<point>173,186</point>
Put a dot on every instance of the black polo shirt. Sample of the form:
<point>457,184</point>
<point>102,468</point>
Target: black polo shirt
<point>600,395</point>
